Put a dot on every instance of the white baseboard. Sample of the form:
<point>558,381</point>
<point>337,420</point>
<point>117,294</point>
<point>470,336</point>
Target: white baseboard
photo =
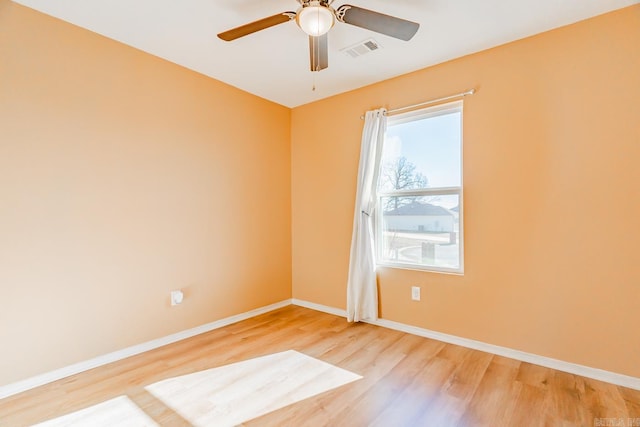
<point>319,307</point>
<point>560,365</point>
<point>585,371</point>
<point>48,377</point>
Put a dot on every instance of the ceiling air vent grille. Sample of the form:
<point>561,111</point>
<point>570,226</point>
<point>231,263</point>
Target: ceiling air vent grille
<point>361,48</point>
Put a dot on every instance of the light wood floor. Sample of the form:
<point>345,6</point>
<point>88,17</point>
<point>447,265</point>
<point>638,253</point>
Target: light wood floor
<point>407,380</point>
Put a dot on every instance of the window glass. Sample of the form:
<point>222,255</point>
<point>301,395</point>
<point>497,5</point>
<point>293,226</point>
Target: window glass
<point>420,191</point>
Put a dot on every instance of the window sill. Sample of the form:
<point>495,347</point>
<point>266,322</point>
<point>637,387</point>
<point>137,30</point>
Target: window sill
<point>441,270</point>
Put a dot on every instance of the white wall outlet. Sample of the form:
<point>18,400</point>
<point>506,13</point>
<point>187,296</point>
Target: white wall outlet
<point>415,293</point>
<point>176,297</point>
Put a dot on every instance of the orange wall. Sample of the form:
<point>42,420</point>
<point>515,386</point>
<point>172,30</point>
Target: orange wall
<point>551,179</point>
<point>123,176</point>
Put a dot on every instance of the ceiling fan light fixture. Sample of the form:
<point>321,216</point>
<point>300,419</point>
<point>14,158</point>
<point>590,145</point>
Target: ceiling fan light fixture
<point>315,19</point>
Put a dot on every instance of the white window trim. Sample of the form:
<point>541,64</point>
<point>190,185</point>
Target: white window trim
<point>424,113</point>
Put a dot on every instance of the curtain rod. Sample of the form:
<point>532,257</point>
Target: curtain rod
<point>431,101</point>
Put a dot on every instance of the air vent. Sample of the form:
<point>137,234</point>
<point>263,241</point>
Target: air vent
<point>361,48</point>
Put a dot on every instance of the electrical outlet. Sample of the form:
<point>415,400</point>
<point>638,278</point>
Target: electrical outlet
<point>176,297</point>
<point>415,293</point>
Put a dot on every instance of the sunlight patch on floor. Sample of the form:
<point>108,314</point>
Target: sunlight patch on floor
<point>235,393</point>
<point>121,412</point>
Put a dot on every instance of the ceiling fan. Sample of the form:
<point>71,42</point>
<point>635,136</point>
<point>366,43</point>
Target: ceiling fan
<point>317,17</point>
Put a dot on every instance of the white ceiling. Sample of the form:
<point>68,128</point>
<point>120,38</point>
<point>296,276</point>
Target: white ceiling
<point>274,63</point>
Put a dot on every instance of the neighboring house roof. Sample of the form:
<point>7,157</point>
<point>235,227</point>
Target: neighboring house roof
<point>456,209</point>
<point>417,208</point>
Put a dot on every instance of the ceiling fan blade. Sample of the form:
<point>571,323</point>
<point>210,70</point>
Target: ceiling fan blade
<point>319,52</point>
<point>378,22</point>
<point>258,25</point>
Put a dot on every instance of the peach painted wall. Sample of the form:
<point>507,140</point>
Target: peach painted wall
<point>123,176</point>
<point>551,194</point>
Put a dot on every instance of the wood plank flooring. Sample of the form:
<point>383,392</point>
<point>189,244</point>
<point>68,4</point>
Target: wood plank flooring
<point>406,380</point>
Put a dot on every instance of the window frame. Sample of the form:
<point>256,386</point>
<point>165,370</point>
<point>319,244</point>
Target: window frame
<point>414,115</point>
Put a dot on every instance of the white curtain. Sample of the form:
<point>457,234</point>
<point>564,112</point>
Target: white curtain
<point>362,289</point>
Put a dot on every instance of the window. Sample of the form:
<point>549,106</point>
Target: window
<point>420,191</point>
